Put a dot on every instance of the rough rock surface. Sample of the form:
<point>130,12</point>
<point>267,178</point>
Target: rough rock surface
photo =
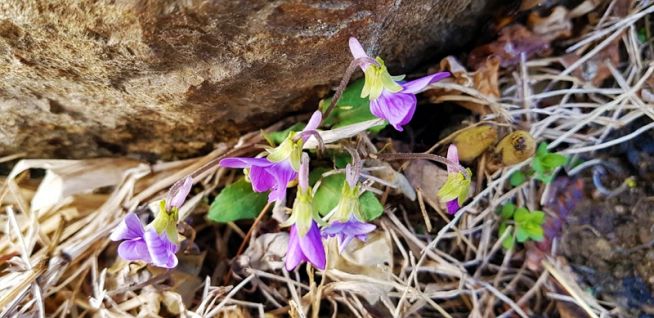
<point>86,78</point>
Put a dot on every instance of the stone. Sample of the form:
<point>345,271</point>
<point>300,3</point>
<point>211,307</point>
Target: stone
<point>166,79</point>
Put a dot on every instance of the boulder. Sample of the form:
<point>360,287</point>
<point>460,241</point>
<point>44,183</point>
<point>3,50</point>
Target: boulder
<point>162,79</point>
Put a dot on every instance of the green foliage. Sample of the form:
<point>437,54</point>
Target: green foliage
<point>528,225</point>
<point>545,163</point>
<point>350,108</point>
<point>517,178</point>
<point>237,201</point>
<point>277,137</point>
<point>329,192</point>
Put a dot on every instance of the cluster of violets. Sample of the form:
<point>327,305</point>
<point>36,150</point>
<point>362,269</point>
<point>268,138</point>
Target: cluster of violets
<point>278,168</point>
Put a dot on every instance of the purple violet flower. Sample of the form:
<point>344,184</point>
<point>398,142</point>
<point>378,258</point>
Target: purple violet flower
<point>348,230</point>
<point>390,98</point>
<point>144,244</point>
<point>305,243</point>
<point>345,221</point>
<point>275,171</point>
<point>455,190</point>
<point>307,248</point>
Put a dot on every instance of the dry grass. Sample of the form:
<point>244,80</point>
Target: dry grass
<point>55,258</point>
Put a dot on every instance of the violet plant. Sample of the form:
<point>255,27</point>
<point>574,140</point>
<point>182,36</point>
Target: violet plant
<point>157,242</point>
<point>277,168</point>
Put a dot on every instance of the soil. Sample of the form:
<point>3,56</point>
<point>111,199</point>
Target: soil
<point>609,241</point>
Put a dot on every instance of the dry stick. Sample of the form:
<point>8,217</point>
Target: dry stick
<point>427,156</point>
<point>346,79</point>
<point>246,239</point>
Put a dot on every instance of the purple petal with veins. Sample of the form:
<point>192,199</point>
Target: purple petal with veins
<point>305,248</point>
<point>162,251</point>
<point>128,229</point>
<point>346,231</point>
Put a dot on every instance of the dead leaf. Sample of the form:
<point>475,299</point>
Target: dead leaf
<point>459,73</point>
<point>397,180</point>
<point>64,178</point>
<point>473,141</point>
<point>427,176</point>
<point>265,253</point>
<point>556,25</point>
<point>595,70</point>
<point>371,258</point>
<point>513,41</point>
<point>484,80</point>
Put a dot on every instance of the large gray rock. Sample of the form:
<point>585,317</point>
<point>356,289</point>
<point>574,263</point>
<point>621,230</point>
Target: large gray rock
<point>169,78</point>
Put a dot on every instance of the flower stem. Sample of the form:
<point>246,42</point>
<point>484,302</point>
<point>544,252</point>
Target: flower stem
<point>346,79</point>
<point>426,156</point>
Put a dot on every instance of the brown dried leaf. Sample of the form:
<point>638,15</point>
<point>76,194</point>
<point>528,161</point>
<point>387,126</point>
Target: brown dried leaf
<point>64,178</point>
<point>363,258</point>
<point>513,41</point>
<point>595,70</point>
<point>265,253</point>
<point>427,176</point>
<point>458,71</point>
<point>556,25</point>
<point>473,141</point>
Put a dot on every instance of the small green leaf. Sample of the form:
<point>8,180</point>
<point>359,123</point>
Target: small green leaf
<point>507,210</point>
<point>521,215</point>
<point>371,208</point>
<point>350,108</point>
<point>517,178</point>
<point>328,193</point>
<point>508,241</point>
<point>542,149</point>
<point>277,137</point>
<point>521,235</point>
<point>554,160</point>
<point>341,159</point>
<point>237,201</point>
<point>316,174</point>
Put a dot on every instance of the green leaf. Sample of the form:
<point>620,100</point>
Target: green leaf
<point>517,178</point>
<point>542,149</point>
<point>508,241</point>
<point>237,201</point>
<point>521,235</point>
<point>277,137</point>
<point>350,108</point>
<point>507,210</point>
<point>316,174</point>
<point>371,208</point>
<point>521,215</point>
<point>341,159</point>
<point>329,192</point>
<point>553,160</point>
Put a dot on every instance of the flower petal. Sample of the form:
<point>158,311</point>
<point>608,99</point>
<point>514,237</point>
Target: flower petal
<point>312,247</point>
<point>359,228</point>
<point>134,250</point>
<point>261,180</point>
<point>294,255</point>
<point>453,206</point>
<point>452,155</point>
<point>178,193</point>
<point>397,109</point>
<point>416,86</point>
<point>244,162</point>
<point>314,122</point>
<point>343,241</point>
<point>357,51</point>
<point>283,173</point>
<point>162,251</point>
<point>129,228</point>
